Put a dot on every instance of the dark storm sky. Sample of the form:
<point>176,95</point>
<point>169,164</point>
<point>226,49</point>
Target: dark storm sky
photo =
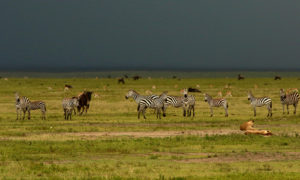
<point>152,34</point>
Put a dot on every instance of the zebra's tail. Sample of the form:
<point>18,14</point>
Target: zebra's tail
<point>271,104</point>
<point>138,108</point>
<point>227,105</point>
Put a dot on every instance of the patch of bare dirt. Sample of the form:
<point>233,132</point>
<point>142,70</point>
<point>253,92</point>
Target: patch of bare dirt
<point>95,135</point>
<point>156,133</point>
<point>249,156</point>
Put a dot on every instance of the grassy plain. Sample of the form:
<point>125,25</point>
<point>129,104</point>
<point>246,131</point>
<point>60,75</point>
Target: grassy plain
<point>111,143</point>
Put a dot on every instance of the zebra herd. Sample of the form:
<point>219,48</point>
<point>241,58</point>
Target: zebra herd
<point>158,103</point>
<point>187,102</point>
<point>81,103</point>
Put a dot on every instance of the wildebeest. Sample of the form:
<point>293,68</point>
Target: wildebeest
<point>126,76</point>
<point>121,80</point>
<point>136,77</point>
<point>84,99</point>
<point>193,90</point>
<point>68,86</point>
<point>277,78</point>
<point>240,77</point>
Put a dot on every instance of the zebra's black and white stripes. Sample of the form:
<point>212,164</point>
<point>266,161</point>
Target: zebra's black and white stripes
<point>137,97</point>
<point>216,103</point>
<point>289,99</point>
<point>189,101</point>
<point>69,105</point>
<point>157,104</point>
<point>259,102</point>
<point>22,105</point>
<point>34,105</point>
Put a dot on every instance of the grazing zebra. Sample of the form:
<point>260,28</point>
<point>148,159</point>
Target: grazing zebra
<point>157,104</point>
<point>259,102</point>
<point>69,105</point>
<point>216,103</point>
<point>289,99</point>
<point>38,105</point>
<point>189,101</point>
<point>22,104</point>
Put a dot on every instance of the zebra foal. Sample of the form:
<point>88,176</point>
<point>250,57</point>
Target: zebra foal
<point>157,104</point>
<point>69,105</point>
<point>259,102</point>
<point>216,103</point>
<point>289,99</point>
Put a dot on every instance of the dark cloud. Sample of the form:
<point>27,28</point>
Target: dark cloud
<point>150,34</point>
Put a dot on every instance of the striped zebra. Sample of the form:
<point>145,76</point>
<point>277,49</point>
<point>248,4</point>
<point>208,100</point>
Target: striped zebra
<point>69,105</point>
<point>216,103</point>
<point>137,97</point>
<point>189,101</point>
<point>22,104</point>
<point>259,102</point>
<point>289,99</point>
<point>34,105</point>
<point>157,104</point>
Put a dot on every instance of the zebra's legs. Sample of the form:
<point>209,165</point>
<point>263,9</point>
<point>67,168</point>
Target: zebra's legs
<point>254,109</point>
<point>269,111</point>
<point>18,113</point>
<point>193,111</point>
<point>184,112</point>
<point>158,114</point>
<point>211,112</point>
<point>295,106</point>
<point>226,111</point>
<point>287,109</point>
<point>144,110</point>
<point>28,114</point>
<point>65,114</point>
<point>24,113</point>
<point>283,109</point>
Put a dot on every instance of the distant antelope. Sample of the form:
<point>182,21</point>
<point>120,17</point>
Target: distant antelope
<point>228,94</point>
<point>121,81</point>
<point>220,94</point>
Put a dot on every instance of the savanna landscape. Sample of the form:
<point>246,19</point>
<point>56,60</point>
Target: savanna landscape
<point>110,142</point>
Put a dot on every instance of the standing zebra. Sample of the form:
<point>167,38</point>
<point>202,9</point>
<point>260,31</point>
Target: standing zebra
<point>157,104</point>
<point>38,105</point>
<point>189,101</point>
<point>216,103</point>
<point>69,104</point>
<point>177,102</point>
<point>22,104</point>
<point>259,102</point>
<point>289,99</point>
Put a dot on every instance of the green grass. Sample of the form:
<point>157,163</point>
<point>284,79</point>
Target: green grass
<point>111,143</point>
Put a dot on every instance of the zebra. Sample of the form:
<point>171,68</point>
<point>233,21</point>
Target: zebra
<point>216,103</point>
<point>177,102</point>
<point>34,105</point>
<point>289,99</point>
<point>69,104</point>
<point>157,104</point>
<point>189,101</point>
<point>259,102</point>
<point>22,104</point>
<point>137,97</point>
